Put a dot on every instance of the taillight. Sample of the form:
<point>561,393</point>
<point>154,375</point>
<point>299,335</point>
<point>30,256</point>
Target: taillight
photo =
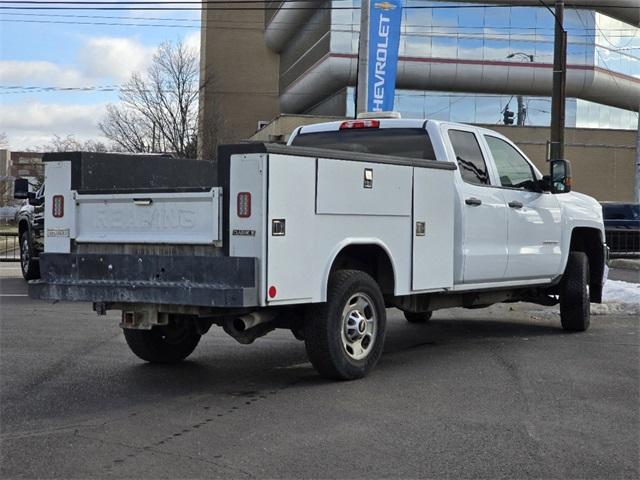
<point>244,204</point>
<point>360,124</point>
<point>57,206</point>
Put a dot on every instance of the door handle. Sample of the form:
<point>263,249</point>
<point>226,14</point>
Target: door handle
<point>473,201</point>
<point>515,204</point>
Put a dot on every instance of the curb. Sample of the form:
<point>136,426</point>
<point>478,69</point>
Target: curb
<point>625,263</point>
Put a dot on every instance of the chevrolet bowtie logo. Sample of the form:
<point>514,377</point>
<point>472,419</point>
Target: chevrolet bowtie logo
<point>384,6</point>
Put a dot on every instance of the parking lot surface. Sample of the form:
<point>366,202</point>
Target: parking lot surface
<point>492,393</point>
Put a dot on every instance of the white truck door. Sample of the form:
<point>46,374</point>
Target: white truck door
<point>433,214</point>
<point>534,229</point>
<point>484,212</point>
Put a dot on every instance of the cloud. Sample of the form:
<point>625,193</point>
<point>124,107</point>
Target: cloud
<point>19,72</point>
<point>100,58</point>
<point>192,40</point>
<point>113,57</point>
<point>33,123</point>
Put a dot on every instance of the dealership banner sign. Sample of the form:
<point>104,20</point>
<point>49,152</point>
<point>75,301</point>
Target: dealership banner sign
<point>385,18</point>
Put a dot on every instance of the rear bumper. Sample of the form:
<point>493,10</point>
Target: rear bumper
<point>172,280</point>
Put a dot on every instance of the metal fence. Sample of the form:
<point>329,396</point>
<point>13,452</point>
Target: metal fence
<point>623,243</point>
<point>9,247</point>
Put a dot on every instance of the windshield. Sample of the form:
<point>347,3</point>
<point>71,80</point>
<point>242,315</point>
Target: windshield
<point>398,142</point>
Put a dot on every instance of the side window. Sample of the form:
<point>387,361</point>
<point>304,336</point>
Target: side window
<point>514,171</point>
<point>472,166</point>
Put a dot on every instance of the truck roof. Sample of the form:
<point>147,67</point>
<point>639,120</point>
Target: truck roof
<point>384,123</point>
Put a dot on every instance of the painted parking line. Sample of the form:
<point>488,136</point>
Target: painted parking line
<point>13,295</point>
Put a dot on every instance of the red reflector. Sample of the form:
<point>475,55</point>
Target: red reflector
<point>57,206</point>
<point>244,204</point>
<point>360,124</point>
<point>272,291</point>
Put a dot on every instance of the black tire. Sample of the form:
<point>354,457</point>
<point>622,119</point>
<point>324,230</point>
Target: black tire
<point>418,317</point>
<point>166,344</point>
<point>337,347</point>
<point>574,294</point>
<point>28,265</point>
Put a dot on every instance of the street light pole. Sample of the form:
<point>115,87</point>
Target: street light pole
<point>559,85</point>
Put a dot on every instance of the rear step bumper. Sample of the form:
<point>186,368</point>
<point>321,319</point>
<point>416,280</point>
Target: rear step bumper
<point>173,280</point>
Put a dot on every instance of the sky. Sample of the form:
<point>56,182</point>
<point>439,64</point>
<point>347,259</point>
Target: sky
<point>75,55</point>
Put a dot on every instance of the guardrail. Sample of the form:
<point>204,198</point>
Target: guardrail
<point>9,247</point>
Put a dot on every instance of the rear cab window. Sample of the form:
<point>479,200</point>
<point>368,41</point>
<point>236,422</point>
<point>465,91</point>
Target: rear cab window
<point>471,163</point>
<point>397,142</point>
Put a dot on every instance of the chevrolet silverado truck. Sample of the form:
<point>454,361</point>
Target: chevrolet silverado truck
<point>319,236</point>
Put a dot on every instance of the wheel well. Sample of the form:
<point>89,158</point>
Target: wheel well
<point>369,258</point>
<point>23,226</point>
<point>589,241</point>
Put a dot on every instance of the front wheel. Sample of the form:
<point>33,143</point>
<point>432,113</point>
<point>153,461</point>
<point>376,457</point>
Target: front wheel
<point>29,266</point>
<point>163,344</point>
<point>344,337</point>
<point>574,294</point>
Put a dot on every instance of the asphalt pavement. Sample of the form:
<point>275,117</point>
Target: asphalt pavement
<point>491,393</point>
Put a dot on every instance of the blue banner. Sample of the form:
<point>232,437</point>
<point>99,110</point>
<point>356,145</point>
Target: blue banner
<point>385,18</point>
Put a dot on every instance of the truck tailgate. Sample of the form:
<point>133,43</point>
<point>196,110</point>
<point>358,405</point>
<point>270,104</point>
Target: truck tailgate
<point>176,217</point>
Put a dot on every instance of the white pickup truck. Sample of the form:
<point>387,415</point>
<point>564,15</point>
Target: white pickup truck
<point>320,236</point>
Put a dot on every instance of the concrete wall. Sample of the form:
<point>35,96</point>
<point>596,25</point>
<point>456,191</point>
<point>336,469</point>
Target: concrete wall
<point>603,161</point>
<point>238,77</point>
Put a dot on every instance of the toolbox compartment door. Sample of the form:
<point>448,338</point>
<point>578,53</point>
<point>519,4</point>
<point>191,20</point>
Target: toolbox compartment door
<point>433,234</point>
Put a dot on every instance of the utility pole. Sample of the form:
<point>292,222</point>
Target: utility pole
<point>522,112</point>
<point>637,185</point>
<point>559,85</point>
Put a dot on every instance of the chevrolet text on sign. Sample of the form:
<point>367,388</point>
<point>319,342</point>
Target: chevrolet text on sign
<point>384,41</point>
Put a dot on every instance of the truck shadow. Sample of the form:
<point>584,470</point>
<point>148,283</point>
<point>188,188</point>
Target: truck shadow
<point>285,365</point>
<point>221,373</point>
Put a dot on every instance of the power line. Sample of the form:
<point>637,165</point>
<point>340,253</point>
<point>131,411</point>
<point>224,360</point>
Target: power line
<point>229,6</point>
<point>469,35</point>
<point>261,23</point>
<point>213,2</point>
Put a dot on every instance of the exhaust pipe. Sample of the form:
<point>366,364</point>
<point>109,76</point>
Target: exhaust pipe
<point>253,319</point>
<point>246,328</point>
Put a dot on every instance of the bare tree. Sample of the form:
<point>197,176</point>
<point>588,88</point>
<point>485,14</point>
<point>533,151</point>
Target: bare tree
<point>158,109</point>
<point>71,144</point>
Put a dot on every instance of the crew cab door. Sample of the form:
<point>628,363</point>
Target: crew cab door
<point>533,218</point>
<point>482,237</point>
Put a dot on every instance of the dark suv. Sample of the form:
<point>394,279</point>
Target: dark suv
<point>30,221</point>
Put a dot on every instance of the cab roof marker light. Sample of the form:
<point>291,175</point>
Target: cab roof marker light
<point>352,124</point>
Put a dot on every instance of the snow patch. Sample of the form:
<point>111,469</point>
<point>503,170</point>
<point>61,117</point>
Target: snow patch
<point>618,297</point>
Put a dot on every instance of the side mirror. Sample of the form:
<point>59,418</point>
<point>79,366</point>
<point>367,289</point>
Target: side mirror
<point>21,189</point>
<point>560,176</point>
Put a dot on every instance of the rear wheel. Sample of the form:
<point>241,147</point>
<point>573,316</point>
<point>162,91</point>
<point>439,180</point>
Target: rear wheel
<point>418,317</point>
<point>344,337</point>
<point>574,294</point>
<point>163,344</point>
<point>29,266</point>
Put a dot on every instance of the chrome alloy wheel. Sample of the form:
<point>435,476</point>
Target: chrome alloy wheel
<point>359,326</point>
<point>24,254</point>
